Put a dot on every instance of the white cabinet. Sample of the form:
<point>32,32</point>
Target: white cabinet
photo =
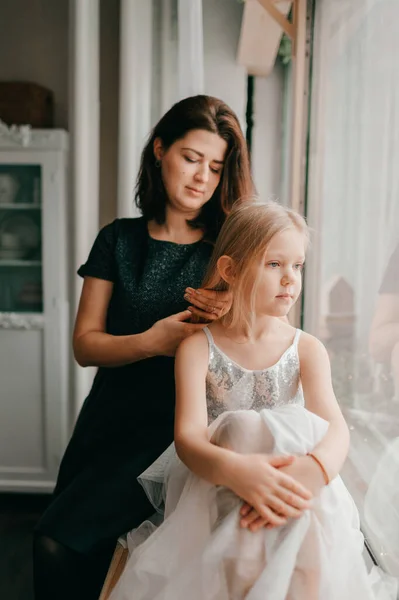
<point>34,310</point>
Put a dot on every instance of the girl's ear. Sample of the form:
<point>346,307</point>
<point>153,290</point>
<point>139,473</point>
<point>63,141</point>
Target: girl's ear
<point>225,267</point>
<point>158,149</point>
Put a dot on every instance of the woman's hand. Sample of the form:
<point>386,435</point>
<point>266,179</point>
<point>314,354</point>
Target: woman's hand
<point>260,480</point>
<point>167,334</point>
<point>305,471</point>
<point>208,304</point>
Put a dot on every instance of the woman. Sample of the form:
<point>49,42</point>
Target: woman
<point>138,296</point>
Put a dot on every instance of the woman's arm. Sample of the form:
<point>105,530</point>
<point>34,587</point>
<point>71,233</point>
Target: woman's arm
<point>255,478</point>
<point>320,399</point>
<point>94,347</point>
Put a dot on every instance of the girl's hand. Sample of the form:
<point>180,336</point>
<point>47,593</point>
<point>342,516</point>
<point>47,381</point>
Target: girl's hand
<point>304,470</point>
<point>307,472</point>
<point>260,481</point>
<point>167,334</point>
<point>208,304</point>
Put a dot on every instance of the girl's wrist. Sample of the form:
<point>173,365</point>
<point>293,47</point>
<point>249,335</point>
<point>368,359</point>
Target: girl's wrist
<point>319,467</point>
<point>227,465</point>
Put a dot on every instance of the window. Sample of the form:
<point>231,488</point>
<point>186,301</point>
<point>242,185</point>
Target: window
<point>352,283</point>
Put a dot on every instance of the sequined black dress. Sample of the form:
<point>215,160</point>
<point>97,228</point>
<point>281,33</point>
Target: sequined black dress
<point>127,419</point>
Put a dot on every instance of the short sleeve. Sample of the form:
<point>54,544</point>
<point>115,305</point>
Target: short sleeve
<point>390,282</point>
<point>101,261</point>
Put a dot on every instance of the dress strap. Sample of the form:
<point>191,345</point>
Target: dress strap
<point>208,334</point>
<point>296,339</point>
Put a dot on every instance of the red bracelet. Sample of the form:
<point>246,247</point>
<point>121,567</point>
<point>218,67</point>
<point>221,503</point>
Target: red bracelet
<point>325,474</point>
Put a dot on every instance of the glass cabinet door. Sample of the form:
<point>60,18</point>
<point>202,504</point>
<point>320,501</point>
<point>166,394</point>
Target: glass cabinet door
<point>20,238</point>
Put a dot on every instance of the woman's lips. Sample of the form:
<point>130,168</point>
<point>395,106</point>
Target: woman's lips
<point>195,191</point>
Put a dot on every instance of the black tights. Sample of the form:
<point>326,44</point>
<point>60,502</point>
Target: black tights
<point>63,574</point>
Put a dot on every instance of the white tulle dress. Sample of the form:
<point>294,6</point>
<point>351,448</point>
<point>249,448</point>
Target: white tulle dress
<point>199,551</point>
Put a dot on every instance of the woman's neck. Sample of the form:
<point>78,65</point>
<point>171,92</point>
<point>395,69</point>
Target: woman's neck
<point>175,229</point>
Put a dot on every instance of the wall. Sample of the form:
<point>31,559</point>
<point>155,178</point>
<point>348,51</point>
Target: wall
<point>34,37</point>
<point>267,137</point>
<point>223,77</point>
<point>109,83</point>
<point>34,47</point>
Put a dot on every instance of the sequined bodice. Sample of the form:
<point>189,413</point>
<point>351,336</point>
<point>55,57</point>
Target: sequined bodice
<point>232,387</point>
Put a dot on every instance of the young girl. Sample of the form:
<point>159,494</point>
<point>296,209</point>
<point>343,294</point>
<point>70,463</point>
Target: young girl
<point>256,420</point>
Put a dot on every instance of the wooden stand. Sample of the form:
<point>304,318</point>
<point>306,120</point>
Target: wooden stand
<point>115,570</point>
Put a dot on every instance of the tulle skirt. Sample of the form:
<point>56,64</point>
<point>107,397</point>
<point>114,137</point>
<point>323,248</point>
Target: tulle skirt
<point>200,552</point>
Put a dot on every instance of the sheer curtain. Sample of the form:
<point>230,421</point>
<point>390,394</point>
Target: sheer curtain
<point>353,205</point>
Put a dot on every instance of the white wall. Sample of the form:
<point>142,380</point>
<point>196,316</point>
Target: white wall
<point>267,136</point>
<point>223,77</point>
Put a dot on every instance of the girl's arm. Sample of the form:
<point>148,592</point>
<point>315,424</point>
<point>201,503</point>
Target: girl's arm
<point>320,399</point>
<point>255,478</point>
<point>333,449</point>
<point>191,419</point>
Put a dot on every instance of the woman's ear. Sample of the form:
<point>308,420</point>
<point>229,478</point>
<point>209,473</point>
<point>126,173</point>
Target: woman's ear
<point>225,267</point>
<point>158,148</point>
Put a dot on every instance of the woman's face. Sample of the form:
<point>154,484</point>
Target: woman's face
<point>191,169</point>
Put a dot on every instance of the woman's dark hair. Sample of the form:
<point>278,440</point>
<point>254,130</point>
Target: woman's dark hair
<point>210,114</point>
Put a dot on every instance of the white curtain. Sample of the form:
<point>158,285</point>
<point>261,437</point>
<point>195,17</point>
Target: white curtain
<point>353,205</point>
<point>191,48</point>
<point>355,144</point>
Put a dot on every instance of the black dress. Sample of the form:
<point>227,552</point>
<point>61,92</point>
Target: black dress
<point>127,419</point>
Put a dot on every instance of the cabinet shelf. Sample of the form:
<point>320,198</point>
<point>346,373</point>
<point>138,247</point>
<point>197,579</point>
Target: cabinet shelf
<point>19,263</point>
<point>26,206</point>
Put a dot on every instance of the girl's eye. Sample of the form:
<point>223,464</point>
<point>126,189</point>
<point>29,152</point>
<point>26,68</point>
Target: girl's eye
<point>298,267</point>
<point>216,171</point>
<point>273,264</point>
<point>190,160</point>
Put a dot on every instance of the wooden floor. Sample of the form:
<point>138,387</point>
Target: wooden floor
<point>18,515</point>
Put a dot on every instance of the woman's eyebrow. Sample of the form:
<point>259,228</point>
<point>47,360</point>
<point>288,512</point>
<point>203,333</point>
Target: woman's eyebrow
<point>220,162</point>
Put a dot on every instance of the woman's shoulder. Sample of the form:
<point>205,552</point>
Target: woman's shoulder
<point>126,226</point>
<point>113,242</point>
<point>133,230</point>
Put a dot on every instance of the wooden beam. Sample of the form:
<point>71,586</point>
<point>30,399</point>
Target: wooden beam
<point>260,38</point>
<point>284,23</point>
<point>298,107</point>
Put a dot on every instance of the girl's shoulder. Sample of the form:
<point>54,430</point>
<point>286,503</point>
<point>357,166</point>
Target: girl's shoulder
<point>310,347</point>
<point>194,349</point>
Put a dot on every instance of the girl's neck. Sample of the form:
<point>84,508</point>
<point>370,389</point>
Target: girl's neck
<point>263,326</point>
<point>175,228</point>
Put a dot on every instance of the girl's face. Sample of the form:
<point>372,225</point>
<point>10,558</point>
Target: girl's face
<point>191,169</point>
<point>280,276</point>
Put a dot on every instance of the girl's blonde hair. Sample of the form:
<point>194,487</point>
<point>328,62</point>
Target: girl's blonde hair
<point>245,237</point>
